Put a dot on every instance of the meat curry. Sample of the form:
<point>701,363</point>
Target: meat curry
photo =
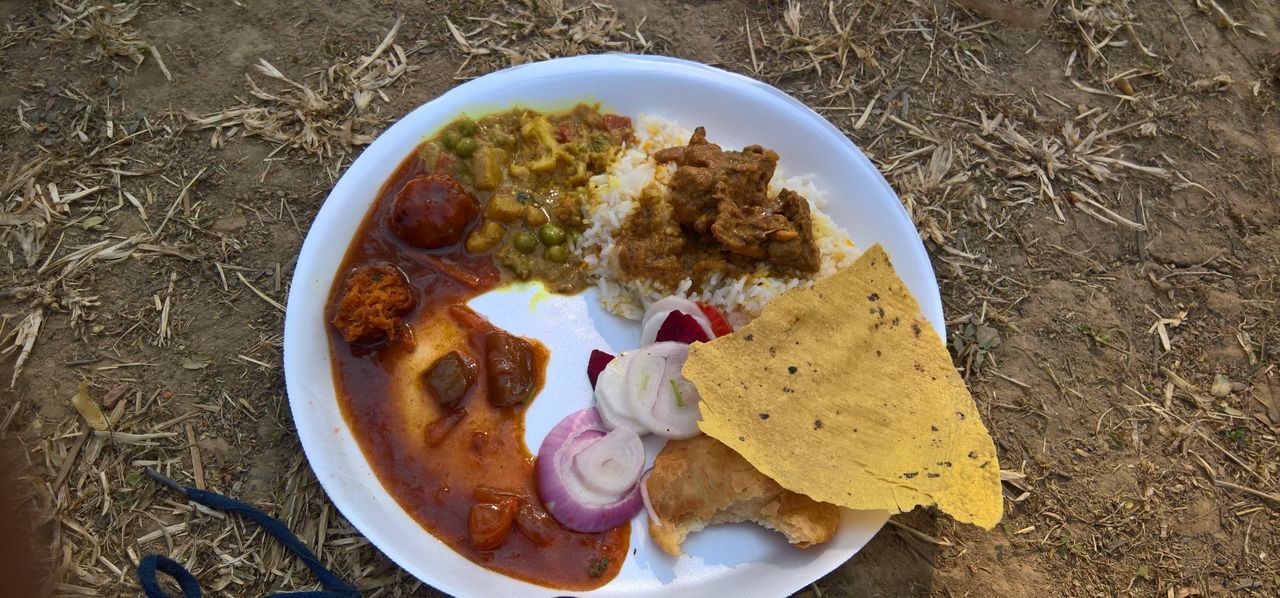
<point>718,218</point>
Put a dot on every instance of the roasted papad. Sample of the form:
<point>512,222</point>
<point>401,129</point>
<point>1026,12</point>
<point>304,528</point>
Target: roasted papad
<point>845,393</point>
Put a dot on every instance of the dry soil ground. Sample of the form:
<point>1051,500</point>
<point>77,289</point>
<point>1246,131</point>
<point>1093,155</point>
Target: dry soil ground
<point>1098,190</point>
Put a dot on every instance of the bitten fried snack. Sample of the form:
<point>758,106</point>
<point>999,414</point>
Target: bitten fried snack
<point>699,482</point>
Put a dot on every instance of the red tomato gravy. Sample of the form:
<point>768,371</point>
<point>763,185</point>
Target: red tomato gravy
<point>432,461</point>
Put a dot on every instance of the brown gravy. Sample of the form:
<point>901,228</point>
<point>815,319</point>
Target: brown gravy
<point>387,407</point>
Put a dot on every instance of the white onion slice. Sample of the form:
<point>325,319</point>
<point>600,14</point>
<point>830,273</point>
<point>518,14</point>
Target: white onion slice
<point>657,313</point>
<point>677,409</point>
<point>644,391</point>
<point>611,465</point>
<point>645,376</point>
<point>612,396</point>
<point>575,502</point>
<point>673,412</point>
<point>644,495</point>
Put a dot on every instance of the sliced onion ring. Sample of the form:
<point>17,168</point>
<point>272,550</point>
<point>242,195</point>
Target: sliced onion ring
<point>612,464</point>
<point>644,495</point>
<point>561,487</point>
<point>613,397</point>
<point>663,401</point>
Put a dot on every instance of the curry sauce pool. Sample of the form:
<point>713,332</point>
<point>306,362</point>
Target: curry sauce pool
<point>435,394</point>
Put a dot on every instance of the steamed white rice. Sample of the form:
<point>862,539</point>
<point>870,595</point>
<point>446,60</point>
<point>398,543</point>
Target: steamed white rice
<point>614,195</point>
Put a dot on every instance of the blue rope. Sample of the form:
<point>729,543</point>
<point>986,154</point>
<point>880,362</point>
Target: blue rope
<point>151,587</point>
<point>150,564</point>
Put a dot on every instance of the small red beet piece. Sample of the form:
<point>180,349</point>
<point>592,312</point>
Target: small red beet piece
<point>596,364</point>
<point>681,328</point>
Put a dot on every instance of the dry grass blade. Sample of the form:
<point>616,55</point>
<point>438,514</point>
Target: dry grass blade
<point>1224,20</point>
<point>382,47</point>
<point>106,26</point>
<point>30,209</point>
<point>532,31</point>
<point>104,251</point>
<point>24,338</point>
<point>919,534</point>
<point>1273,498</point>
<point>325,115</point>
<point>260,294</point>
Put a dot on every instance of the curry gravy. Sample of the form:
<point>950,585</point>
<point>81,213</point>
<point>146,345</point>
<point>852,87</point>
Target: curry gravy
<point>384,401</point>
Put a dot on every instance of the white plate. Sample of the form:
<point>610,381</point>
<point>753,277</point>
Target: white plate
<point>727,560</point>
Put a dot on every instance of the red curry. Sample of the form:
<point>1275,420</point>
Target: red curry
<point>435,394</point>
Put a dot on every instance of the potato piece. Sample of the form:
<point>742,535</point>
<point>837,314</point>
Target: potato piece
<point>485,237</point>
<point>504,207</point>
<point>486,167</point>
<point>534,216</point>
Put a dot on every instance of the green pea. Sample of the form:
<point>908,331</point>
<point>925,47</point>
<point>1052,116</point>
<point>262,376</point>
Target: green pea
<point>450,140</point>
<point>526,242</point>
<point>551,234</point>
<point>465,147</point>
<point>557,253</point>
<point>466,126</point>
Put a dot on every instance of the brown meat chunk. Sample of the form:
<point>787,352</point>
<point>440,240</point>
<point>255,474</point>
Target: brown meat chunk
<point>746,229</point>
<point>792,246</point>
<point>699,482</point>
<point>449,378</point>
<point>722,197</point>
<point>375,299</point>
<point>650,245</point>
<point>707,176</point>
<point>509,369</point>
